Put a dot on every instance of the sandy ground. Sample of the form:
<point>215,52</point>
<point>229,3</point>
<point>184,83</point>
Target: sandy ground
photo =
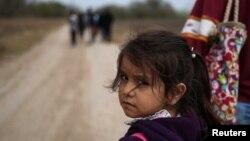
<point>56,92</point>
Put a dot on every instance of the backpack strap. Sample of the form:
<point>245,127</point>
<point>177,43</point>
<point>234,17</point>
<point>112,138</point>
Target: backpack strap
<point>140,136</point>
<point>228,10</point>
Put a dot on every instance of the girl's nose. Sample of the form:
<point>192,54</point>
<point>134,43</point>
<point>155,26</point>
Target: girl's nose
<point>129,88</point>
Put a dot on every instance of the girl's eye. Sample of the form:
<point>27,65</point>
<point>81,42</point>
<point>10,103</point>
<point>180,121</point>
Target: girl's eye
<point>123,77</point>
<point>143,82</point>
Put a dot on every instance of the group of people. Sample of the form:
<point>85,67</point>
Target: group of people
<point>96,22</point>
<point>163,82</point>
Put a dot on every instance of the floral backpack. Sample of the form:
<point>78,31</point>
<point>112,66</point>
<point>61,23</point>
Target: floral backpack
<point>223,66</point>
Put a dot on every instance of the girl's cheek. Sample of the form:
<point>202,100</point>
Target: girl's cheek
<point>120,91</point>
<point>120,88</point>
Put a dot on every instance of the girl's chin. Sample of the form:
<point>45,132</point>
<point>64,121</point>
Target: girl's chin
<point>131,115</point>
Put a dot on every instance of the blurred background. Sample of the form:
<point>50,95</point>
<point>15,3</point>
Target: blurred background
<point>21,16</point>
<point>58,56</point>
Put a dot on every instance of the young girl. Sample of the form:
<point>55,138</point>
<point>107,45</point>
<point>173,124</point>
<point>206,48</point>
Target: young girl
<point>165,87</point>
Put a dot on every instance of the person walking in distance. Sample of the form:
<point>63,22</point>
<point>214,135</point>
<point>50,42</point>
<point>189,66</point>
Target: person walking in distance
<point>106,20</point>
<point>81,23</point>
<point>73,23</point>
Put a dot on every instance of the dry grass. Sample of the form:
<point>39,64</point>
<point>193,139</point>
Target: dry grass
<point>123,30</point>
<point>18,35</point>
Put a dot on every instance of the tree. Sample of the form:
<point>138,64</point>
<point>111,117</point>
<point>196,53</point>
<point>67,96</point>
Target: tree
<point>10,8</point>
<point>154,3</point>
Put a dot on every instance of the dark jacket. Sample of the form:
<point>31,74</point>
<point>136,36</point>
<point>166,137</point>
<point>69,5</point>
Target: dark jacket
<point>167,129</point>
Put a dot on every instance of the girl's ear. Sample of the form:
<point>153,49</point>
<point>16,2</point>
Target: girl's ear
<point>176,94</point>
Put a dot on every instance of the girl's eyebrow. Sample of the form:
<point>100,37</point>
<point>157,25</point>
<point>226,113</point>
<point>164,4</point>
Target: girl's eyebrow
<point>137,74</point>
<point>122,72</point>
<point>141,75</point>
<point>121,69</point>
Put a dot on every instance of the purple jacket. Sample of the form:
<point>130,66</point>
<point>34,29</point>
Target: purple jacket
<point>167,129</point>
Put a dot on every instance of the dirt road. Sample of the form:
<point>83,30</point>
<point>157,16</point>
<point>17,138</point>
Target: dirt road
<point>56,92</point>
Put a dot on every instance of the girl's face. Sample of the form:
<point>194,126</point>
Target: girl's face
<point>138,96</point>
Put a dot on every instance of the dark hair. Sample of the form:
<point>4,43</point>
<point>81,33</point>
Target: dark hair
<point>169,58</point>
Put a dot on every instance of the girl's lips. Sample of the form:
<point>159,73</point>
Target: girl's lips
<point>127,104</point>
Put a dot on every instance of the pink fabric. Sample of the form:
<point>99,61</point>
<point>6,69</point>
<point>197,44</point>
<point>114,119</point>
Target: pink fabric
<point>140,136</point>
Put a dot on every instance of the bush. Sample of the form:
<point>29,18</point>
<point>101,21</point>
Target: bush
<point>20,8</point>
